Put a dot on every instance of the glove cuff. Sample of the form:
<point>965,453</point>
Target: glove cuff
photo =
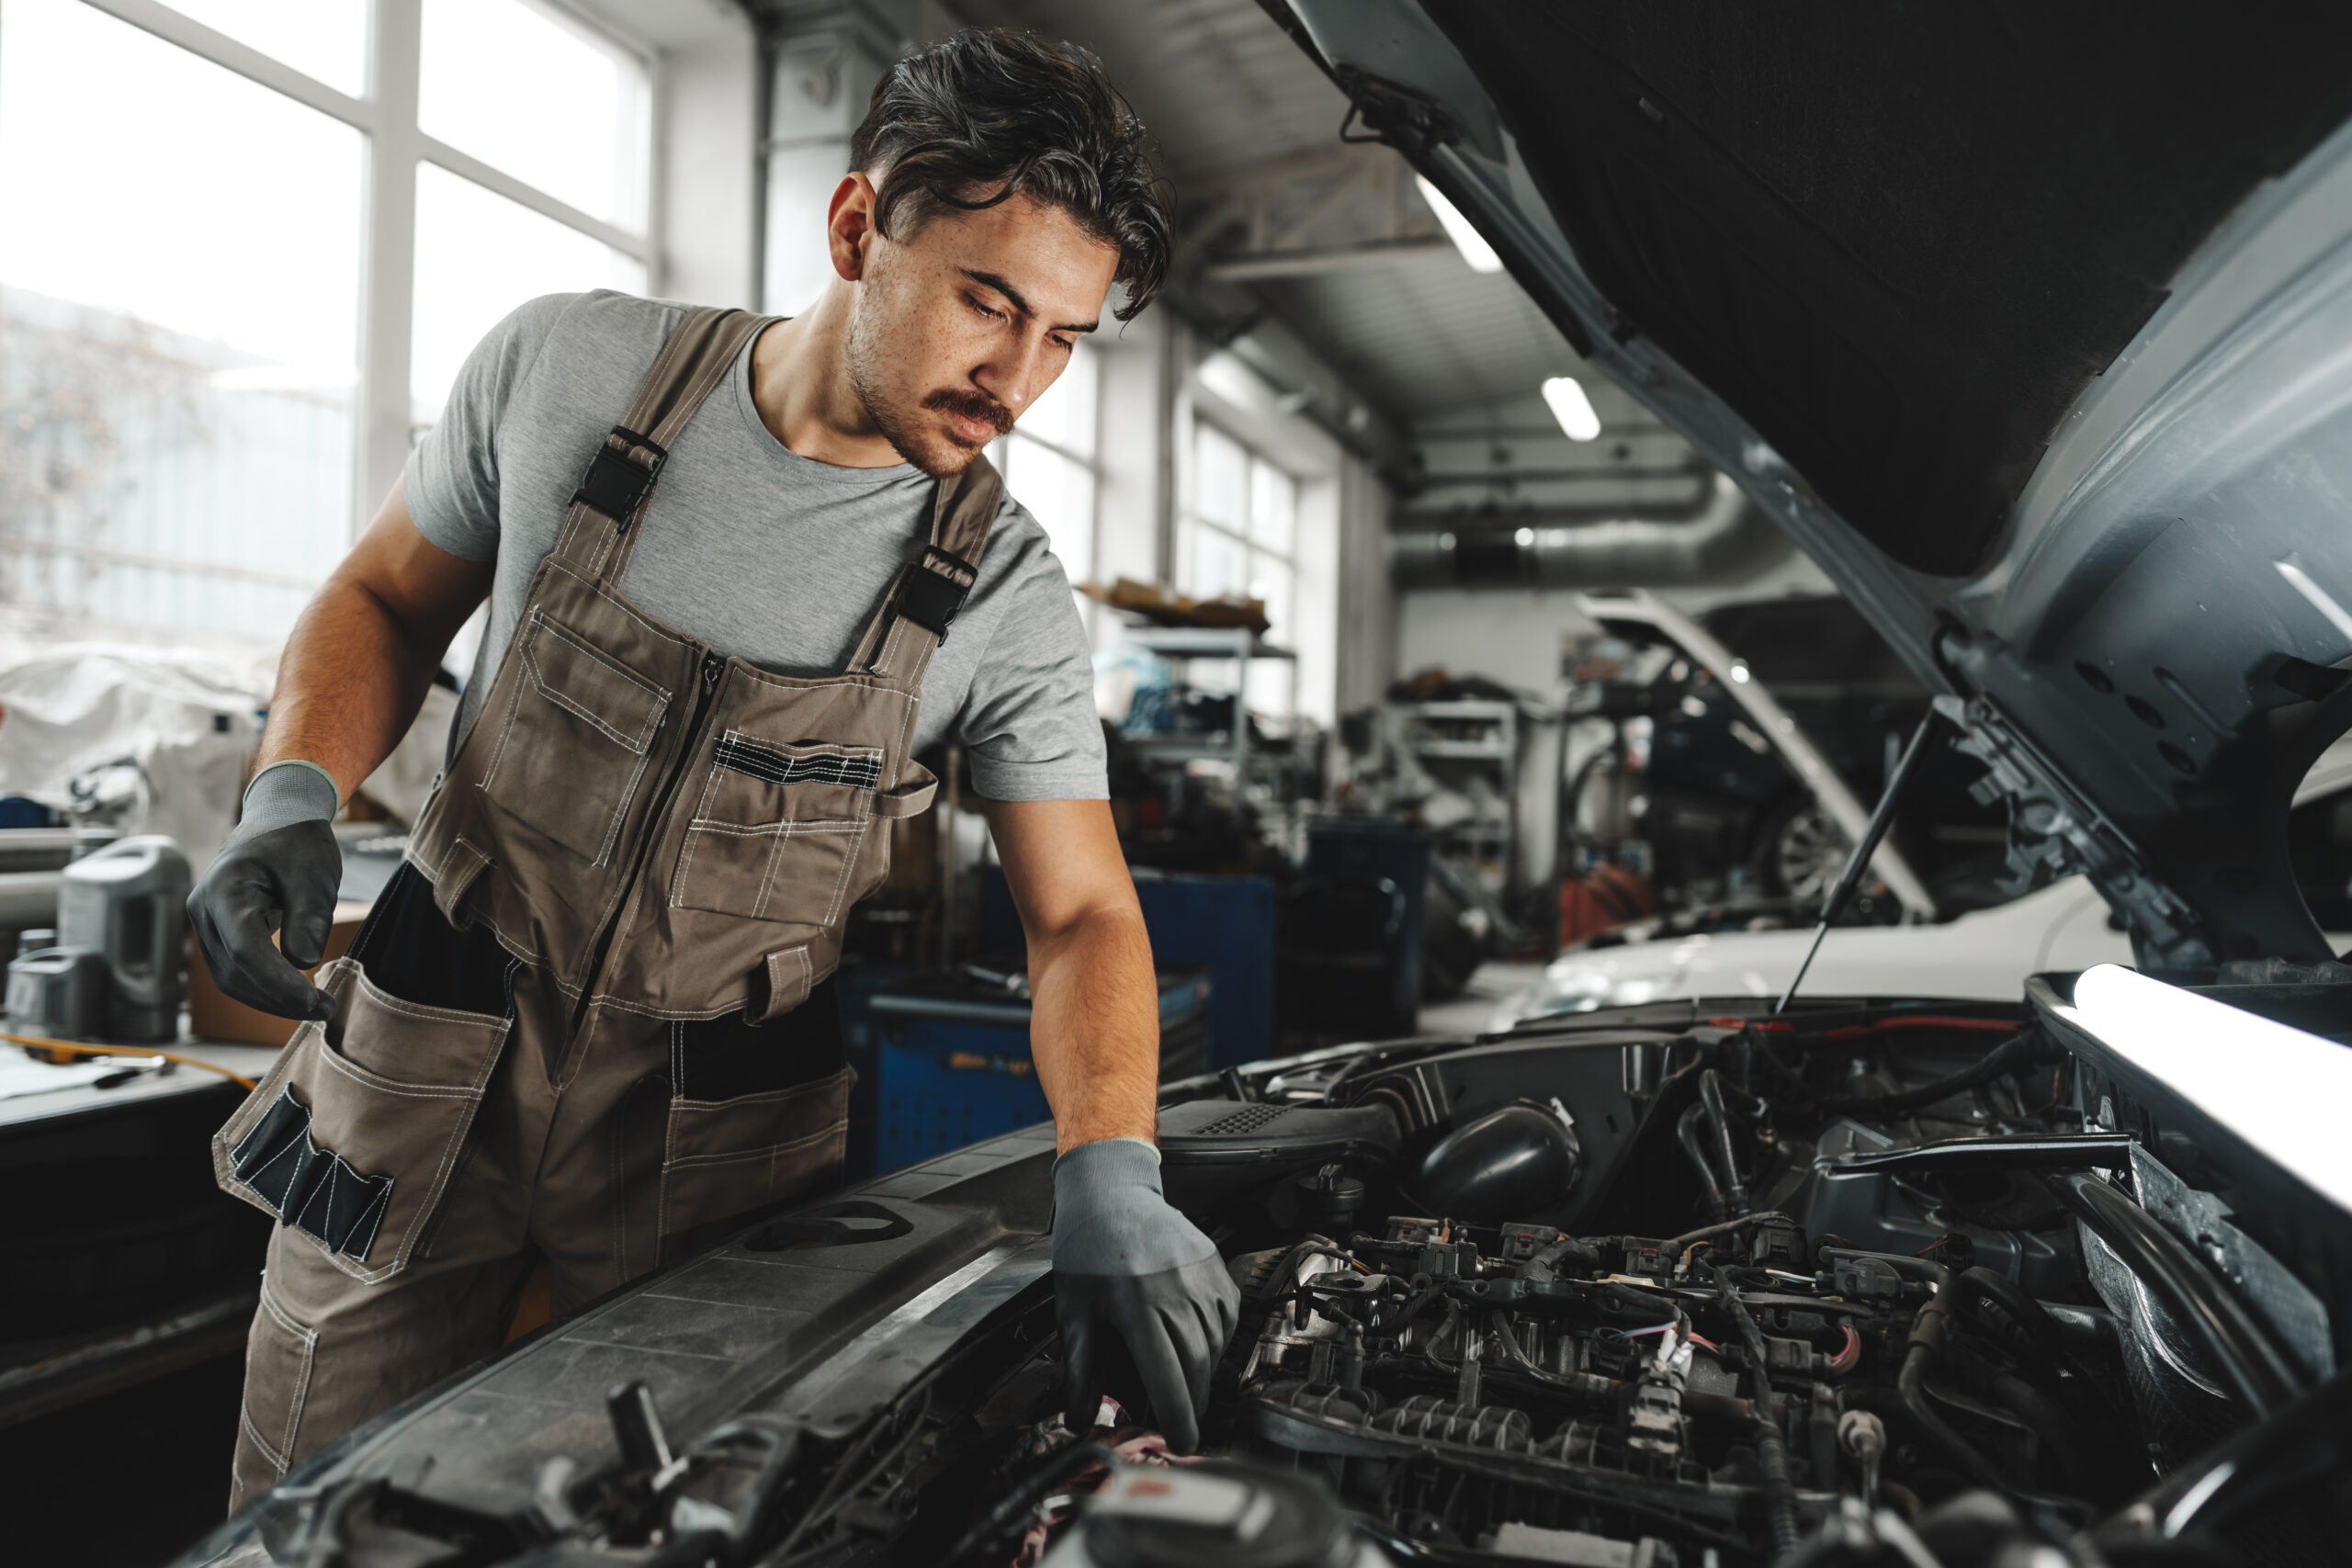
<point>1107,1162</point>
<point>286,792</point>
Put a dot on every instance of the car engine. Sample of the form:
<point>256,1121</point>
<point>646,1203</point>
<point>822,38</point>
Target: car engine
<point>1743,1290</point>
<point>1664,1287</point>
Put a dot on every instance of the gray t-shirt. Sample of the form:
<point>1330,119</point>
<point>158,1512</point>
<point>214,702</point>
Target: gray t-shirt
<point>761,553</point>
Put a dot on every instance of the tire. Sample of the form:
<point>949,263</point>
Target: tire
<point>1799,853</point>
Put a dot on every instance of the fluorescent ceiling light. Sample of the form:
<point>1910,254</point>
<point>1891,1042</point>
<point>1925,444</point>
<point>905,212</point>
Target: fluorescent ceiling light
<point>1572,408</point>
<point>2281,1090</point>
<point>1468,241</point>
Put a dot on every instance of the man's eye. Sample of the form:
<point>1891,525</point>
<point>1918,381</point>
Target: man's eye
<point>983,309</point>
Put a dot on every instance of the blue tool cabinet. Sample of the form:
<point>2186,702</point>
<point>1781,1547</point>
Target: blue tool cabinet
<point>1223,924</point>
<point>942,1058</point>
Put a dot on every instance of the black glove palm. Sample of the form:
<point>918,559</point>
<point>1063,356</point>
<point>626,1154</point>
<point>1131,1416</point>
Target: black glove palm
<point>1127,1262</point>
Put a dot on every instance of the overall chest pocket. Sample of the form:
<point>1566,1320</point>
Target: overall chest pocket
<point>777,831</point>
<point>574,740</point>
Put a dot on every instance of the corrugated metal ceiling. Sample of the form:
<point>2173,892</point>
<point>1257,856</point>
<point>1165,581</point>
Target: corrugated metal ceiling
<point>1221,88</point>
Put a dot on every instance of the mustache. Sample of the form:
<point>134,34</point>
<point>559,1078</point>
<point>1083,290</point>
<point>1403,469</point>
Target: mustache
<point>974,406</point>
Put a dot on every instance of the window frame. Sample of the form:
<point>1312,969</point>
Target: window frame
<point>386,117</point>
<point>1189,515</point>
<point>1001,454</point>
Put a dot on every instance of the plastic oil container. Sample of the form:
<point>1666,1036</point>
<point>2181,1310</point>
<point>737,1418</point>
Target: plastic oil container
<point>129,901</point>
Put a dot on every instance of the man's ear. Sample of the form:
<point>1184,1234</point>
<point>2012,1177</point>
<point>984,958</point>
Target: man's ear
<point>849,225</point>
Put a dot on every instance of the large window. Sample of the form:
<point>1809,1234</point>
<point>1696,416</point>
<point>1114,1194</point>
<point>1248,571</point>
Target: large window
<point>1239,535</point>
<point>1048,463</point>
<point>249,242</point>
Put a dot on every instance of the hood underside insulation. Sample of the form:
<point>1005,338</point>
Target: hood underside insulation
<point>1902,240</point>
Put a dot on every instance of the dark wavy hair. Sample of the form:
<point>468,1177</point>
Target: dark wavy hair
<point>992,114</point>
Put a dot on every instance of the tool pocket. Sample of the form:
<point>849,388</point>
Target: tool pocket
<point>352,1136</point>
<point>574,740</point>
<point>279,1353</point>
<point>759,1113</point>
<point>776,833</point>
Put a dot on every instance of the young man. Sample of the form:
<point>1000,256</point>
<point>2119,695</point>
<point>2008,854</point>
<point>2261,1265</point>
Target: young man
<point>592,1019</point>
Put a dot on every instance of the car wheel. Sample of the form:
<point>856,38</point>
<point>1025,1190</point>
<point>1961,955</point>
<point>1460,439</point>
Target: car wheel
<point>1800,853</point>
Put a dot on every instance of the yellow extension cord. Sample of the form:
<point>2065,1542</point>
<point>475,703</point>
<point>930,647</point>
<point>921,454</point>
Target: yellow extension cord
<point>58,1047</point>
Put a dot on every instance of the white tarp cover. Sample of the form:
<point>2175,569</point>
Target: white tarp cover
<point>156,737</point>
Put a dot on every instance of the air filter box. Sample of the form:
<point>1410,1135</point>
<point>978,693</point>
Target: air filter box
<point>1212,1147</point>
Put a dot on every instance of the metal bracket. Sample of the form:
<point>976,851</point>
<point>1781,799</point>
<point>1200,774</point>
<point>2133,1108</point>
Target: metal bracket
<point>2054,830</point>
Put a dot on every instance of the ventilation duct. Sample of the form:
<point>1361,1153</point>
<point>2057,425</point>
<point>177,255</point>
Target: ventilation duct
<point>1729,538</point>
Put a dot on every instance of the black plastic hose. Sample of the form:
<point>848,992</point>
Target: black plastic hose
<point>2013,1055</point>
<point>1710,1095</point>
<point>1686,1132</point>
<point>2257,1371</point>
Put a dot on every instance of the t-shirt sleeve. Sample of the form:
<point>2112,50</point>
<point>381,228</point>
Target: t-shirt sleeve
<point>1029,724</point>
<point>451,480</point>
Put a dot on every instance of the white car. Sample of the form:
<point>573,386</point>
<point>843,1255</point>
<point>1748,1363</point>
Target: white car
<point>1984,955</point>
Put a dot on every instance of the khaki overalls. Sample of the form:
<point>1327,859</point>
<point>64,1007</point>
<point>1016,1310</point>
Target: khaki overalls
<point>590,1017</point>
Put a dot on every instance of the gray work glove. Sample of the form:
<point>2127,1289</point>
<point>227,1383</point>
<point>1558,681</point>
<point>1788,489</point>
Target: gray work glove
<point>1126,1263</point>
<point>281,868</point>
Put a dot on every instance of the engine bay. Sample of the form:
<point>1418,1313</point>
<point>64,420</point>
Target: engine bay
<point>1861,1283</point>
<point>1675,1317</point>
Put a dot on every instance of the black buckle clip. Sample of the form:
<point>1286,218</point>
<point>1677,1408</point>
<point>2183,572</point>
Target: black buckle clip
<point>616,484</point>
<point>931,601</point>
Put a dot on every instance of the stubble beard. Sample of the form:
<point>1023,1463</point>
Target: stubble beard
<point>927,447</point>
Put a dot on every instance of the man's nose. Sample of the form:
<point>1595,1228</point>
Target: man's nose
<point>1010,377</point>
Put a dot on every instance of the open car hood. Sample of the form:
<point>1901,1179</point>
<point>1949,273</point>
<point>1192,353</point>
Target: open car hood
<point>2033,326</point>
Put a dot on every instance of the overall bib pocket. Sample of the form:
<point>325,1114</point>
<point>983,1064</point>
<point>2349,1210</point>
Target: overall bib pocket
<point>574,740</point>
<point>776,833</point>
<point>352,1136</point>
<point>759,1113</point>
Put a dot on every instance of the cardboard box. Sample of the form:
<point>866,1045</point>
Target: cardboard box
<point>212,1016</point>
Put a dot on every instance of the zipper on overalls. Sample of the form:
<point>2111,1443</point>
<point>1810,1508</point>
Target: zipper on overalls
<point>713,667</point>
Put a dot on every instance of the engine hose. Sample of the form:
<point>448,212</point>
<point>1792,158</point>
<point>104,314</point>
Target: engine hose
<point>1710,1095</point>
<point>2241,1350</point>
<point>1772,1447</point>
<point>1927,1331</point>
<point>1979,1285</point>
<point>2011,1055</point>
<point>1686,1132</point>
<point>2052,1428</point>
<point>1912,1387</point>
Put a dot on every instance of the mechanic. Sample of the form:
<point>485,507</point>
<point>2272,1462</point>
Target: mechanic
<point>591,1020</point>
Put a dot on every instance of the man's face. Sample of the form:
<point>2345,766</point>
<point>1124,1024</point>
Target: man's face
<point>959,326</point>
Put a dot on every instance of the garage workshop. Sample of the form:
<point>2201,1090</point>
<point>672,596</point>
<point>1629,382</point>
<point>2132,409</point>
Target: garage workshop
<point>1053,783</point>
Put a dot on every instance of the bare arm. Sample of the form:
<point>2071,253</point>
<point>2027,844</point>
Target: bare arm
<point>355,669</point>
<point>1095,1029</point>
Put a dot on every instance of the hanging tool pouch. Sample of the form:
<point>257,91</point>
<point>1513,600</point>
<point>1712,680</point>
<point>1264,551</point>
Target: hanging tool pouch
<point>353,1136</point>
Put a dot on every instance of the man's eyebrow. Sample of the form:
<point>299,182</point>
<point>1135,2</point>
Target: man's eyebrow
<point>1001,286</point>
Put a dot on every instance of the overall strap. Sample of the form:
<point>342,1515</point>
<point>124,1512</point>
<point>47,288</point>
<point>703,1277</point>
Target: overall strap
<point>597,534</point>
<point>924,598</point>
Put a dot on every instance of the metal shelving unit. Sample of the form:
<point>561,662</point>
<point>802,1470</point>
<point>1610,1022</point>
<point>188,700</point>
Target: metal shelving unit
<point>1238,645</point>
<point>1478,735</point>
